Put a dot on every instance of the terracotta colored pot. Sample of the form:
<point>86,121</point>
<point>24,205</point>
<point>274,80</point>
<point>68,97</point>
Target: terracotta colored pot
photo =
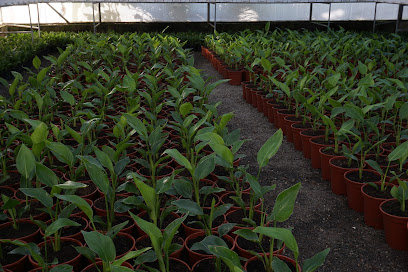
<point>324,164</point>
<point>288,126</point>
<point>281,114</point>
<point>260,96</point>
<point>17,266</point>
<point>354,196</point>
<point>305,138</point>
<point>235,76</point>
<point>372,213</point>
<point>194,256</point>
<point>270,105</point>
<point>314,151</point>
<point>244,89</point>
<point>283,258</point>
<point>75,262</point>
<point>395,227</point>
<point>338,184</point>
<point>30,238</point>
<point>297,141</point>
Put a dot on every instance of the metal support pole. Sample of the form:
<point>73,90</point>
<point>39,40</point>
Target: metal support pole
<point>31,23</point>
<point>311,12</point>
<point>57,12</point>
<point>399,18</point>
<point>328,22</point>
<point>375,16</point>
<point>93,16</point>
<point>38,21</point>
<point>100,14</point>
<point>208,12</point>
<point>215,16</point>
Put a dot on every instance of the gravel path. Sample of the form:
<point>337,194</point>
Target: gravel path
<point>321,219</point>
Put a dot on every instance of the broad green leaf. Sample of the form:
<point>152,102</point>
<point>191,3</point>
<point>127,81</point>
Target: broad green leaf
<point>41,75</point>
<point>136,124</point>
<point>187,205</point>
<point>150,229</point>
<point>79,202</point>
<point>45,175</point>
<point>247,234</point>
<point>224,152</point>
<point>185,108</point>
<point>40,133</point>
<point>403,111</point>
<point>39,194</point>
<point>285,203</point>
<point>129,83</point>
<point>25,161</point>
<point>285,235</point>
<point>59,224</point>
<point>101,244</point>
<point>97,175</point>
<point>354,112</point>
<point>205,166</point>
<point>279,265</point>
<point>230,257</point>
<point>130,255</point>
<point>317,260</point>
<point>180,159</point>
<point>62,152</point>
<point>36,62</point>
<point>269,149</point>
<point>207,241</point>
<point>71,185</point>
<point>69,98</point>
<point>62,268</point>
<point>399,152</point>
<point>149,196</point>
<point>77,136</point>
<point>170,231</point>
<point>104,159</point>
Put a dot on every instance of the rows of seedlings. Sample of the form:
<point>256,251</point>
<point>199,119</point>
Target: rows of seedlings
<point>341,98</point>
<point>113,160</point>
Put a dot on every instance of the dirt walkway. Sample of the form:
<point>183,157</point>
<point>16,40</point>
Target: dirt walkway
<point>321,219</point>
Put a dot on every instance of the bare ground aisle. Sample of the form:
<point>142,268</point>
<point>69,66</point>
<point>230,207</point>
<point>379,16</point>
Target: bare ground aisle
<point>321,219</point>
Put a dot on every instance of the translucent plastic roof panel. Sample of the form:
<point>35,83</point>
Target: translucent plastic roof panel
<point>24,2</point>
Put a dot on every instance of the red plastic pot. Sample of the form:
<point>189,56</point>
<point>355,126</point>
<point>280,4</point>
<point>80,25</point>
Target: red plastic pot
<point>338,184</point>
<point>186,266</point>
<point>314,150</point>
<point>30,238</point>
<point>246,254</point>
<point>235,76</point>
<point>354,196</point>
<point>395,227</point>
<point>306,144</point>
<point>372,213</point>
<point>324,164</point>
<point>288,125</point>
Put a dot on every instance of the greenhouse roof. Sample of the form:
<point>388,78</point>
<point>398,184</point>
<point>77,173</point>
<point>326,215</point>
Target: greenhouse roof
<point>24,2</point>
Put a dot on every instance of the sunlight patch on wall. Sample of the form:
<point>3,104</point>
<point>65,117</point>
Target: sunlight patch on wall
<point>335,14</point>
<point>248,14</point>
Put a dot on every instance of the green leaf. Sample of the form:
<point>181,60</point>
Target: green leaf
<point>230,257</point>
<point>45,175</point>
<point>39,194</point>
<point>170,231</point>
<point>282,234</point>
<point>225,228</point>
<point>224,152</point>
<point>285,203</point>
<point>403,111</point>
<point>62,268</point>
<point>25,161</point>
<point>129,83</point>
<point>8,202</point>
<point>69,98</point>
<point>399,152</point>
<point>36,62</point>
<point>104,159</point>
<point>184,187</point>
<point>150,229</point>
<point>101,244</point>
<point>59,224</point>
<point>180,159</point>
<point>62,152</point>
<point>269,149</point>
<point>354,112</point>
<point>149,196</point>
<point>41,75</point>
<point>211,240</point>
<point>136,124</point>
<point>71,185</point>
<point>317,260</point>
<point>247,234</point>
<point>130,255</point>
<point>205,166</point>
<point>185,108</point>
<point>79,202</point>
<point>40,133</point>
<point>279,265</point>
<point>187,205</point>
<point>77,136</point>
<point>97,175</point>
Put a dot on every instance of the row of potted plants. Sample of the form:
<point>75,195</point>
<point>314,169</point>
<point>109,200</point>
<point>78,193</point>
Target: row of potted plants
<point>113,154</point>
<point>345,115</point>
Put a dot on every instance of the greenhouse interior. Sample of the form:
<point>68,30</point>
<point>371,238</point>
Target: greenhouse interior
<point>204,135</point>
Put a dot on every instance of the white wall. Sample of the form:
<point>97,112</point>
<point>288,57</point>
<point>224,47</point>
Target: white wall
<point>126,12</point>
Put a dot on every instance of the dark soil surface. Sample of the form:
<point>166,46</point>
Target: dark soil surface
<point>394,208</point>
<point>366,177</point>
<point>321,219</point>
<point>371,191</point>
<point>257,266</point>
